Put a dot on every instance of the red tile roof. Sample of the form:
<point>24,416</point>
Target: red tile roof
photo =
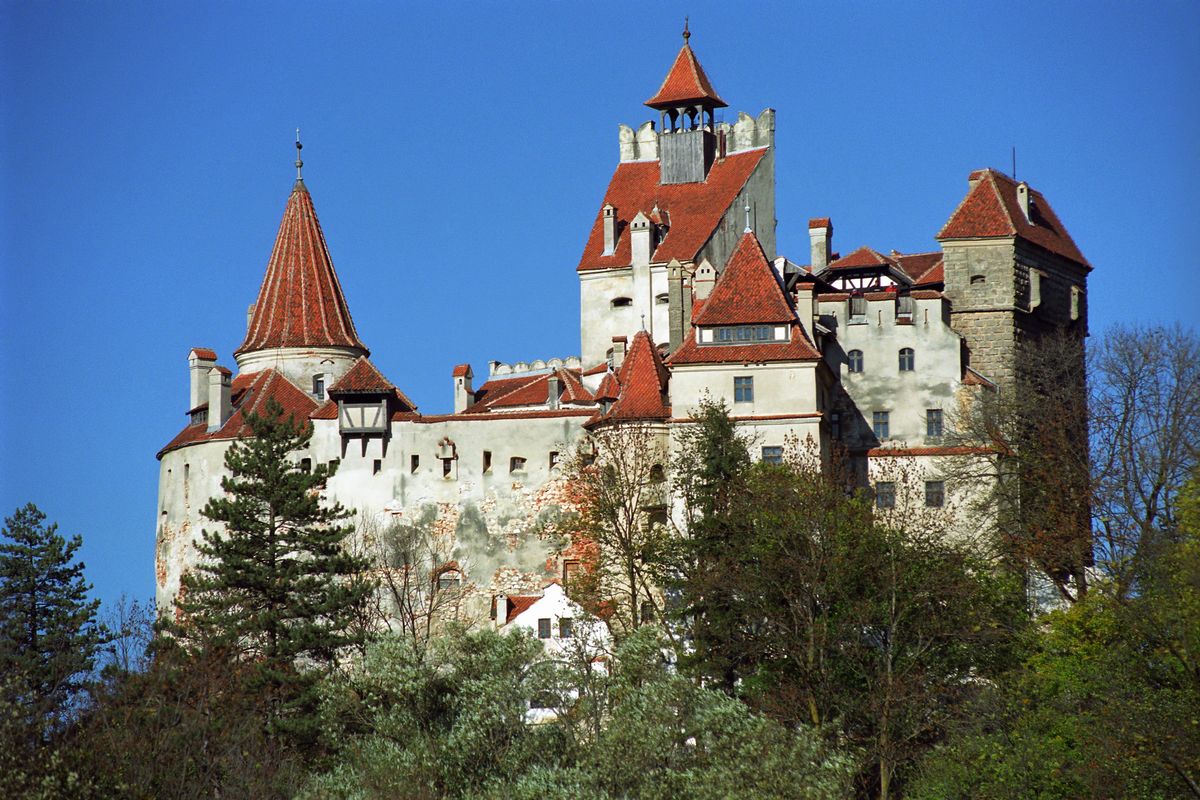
<point>461,370</point>
<point>991,210</point>
<point>747,292</point>
<point>685,84</point>
<point>918,264</point>
<point>862,257</point>
<point>799,348</point>
<point>643,384</point>
<point>364,378</point>
<point>517,605</point>
<point>609,388</point>
<point>203,353</point>
<point>249,394</point>
<point>529,390</point>
<point>695,208</point>
<point>819,222</point>
<point>300,302</point>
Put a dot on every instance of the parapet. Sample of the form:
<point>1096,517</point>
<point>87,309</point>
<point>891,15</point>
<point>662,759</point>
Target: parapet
<point>497,369</point>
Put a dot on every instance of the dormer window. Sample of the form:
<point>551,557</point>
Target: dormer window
<point>746,334</point>
<point>621,302</point>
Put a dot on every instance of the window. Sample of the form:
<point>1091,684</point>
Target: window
<point>835,425</point>
<point>553,459</point>
<point>858,308</point>
<point>1035,288</point>
<point>564,627</point>
<point>935,493</point>
<point>414,463</point>
<point>772,454</point>
<point>879,424</point>
<point>306,465</point>
<point>885,494</point>
<point>904,306</point>
<point>647,613</point>
<point>933,423</point>
<point>621,302</point>
<point>570,570</point>
<point>656,517</point>
<point>447,467</point>
<point>854,361</point>
<point>743,389</point>
<point>741,334</point>
<point>333,464</point>
<point>376,466</point>
<point>516,464</point>
<point>662,299</point>
<point>544,628</point>
<point>907,359</point>
<point>657,474</point>
<point>319,387</point>
<point>978,279</point>
<point>487,460</point>
<point>449,579</point>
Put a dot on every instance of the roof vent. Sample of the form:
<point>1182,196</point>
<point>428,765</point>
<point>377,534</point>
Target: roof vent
<point>610,229</point>
<point>1025,201</point>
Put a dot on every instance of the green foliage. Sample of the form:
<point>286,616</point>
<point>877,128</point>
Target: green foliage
<point>452,723</point>
<point>278,586</point>
<point>1106,702</point>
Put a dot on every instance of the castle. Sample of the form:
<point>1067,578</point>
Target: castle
<point>682,295</point>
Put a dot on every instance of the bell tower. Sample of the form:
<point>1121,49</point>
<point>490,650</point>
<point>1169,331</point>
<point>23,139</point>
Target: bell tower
<point>687,140</point>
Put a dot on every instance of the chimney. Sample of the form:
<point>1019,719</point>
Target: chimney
<point>679,299</point>
<point>820,236</point>
<point>553,390</point>
<point>641,239</point>
<point>805,308</point>
<point>610,230</point>
<point>500,606</point>
<point>463,394</point>
<point>200,361</point>
<point>618,350</point>
<point>1024,200</point>
<point>705,278</point>
<point>220,406</point>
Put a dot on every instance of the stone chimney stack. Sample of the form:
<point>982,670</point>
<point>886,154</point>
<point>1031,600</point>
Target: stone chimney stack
<point>805,308</point>
<point>1024,200</point>
<point>820,236</point>
<point>463,393</point>
<point>641,239</point>
<point>200,361</point>
<point>610,230</point>
<point>220,405</point>
<point>705,279</point>
<point>618,348</point>
<point>553,390</point>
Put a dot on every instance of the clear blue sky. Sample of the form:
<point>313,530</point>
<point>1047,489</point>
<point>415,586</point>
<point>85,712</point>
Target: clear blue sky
<point>457,155</point>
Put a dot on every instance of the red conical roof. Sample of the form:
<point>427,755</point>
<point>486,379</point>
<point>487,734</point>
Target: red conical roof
<point>300,303</point>
<point>686,84</point>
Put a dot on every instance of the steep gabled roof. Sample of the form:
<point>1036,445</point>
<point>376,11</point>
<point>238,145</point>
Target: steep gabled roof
<point>747,292</point>
<point>991,210</point>
<point>686,84</point>
<point>499,394</point>
<point>862,257</point>
<point>642,385</point>
<point>918,265</point>
<point>300,302</point>
<point>364,378</point>
<point>609,388</point>
<point>694,209</point>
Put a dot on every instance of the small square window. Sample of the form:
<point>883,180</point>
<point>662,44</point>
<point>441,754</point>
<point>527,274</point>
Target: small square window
<point>319,387</point>
<point>450,579</point>
<point>487,460</point>
<point>880,424</point>
<point>743,389</point>
<point>376,466</point>
<point>553,459</point>
<point>447,467</point>
<point>305,467</point>
<point>885,494</point>
<point>564,628</point>
<point>414,463</point>
<point>772,454</point>
<point>657,517</point>
<point>935,494</point>
<point>516,464</point>
<point>544,628</point>
<point>933,423</point>
<point>858,308</point>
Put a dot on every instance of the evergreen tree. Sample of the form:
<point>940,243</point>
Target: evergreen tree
<point>48,631</point>
<point>278,586</point>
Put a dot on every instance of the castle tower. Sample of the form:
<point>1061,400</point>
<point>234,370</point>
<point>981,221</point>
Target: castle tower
<point>300,324</point>
<point>676,199</point>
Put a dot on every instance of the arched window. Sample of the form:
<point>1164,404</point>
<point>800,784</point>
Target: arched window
<point>662,299</point>
<point>854,361</point>
<point>621,302</point>
<point>907,359</point>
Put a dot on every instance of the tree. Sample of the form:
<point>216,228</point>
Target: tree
<point>620,494</point>
<point>278,586</point>
<point>48,632</point>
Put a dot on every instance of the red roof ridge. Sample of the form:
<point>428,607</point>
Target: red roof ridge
<point>300,302</point>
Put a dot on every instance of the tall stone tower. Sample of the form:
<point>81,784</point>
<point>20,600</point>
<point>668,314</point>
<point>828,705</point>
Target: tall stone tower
<point>1012,272</point>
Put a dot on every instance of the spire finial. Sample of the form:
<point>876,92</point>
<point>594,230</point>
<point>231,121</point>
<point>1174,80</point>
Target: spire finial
<point>686,33</point>
<point>299,161</point>
<point>748,228</point>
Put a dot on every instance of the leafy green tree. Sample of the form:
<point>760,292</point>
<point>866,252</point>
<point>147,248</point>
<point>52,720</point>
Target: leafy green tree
<point>277,585</point>
<point>48,632</point>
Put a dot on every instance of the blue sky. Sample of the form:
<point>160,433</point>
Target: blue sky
<point>457,154</point>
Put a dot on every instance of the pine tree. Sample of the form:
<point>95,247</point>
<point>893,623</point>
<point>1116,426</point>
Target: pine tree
<point>48,631</point>
<point>278,586</point>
